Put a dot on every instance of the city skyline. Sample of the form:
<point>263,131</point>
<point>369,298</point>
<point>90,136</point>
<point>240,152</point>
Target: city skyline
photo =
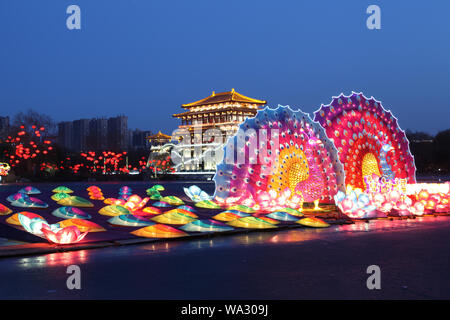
<point>146,59</point>
<point>100,134</point>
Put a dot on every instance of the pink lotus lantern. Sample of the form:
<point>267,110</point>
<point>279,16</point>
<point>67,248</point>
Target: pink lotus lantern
<point>378,199</point>
<point>402,208</point>
<point>295,202</point>
<point>271,200</point>
<point>346,205</point>
<point>441,208</point>
<point>249,201</point>
<point>408,201</point>
<point>283,197</point>
<point>386,207</point>
<point>394,196</point>
<point>418,209</point>
<point>264,201</point>
<point>65,235</point>
<point>227,202</point>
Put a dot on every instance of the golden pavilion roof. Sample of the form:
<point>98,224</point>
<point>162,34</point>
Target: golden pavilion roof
<point>159,136</point>
<point>221,97</point>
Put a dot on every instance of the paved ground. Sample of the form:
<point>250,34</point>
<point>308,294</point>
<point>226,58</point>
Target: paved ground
<point>7,242</point>
<point>414,257</point>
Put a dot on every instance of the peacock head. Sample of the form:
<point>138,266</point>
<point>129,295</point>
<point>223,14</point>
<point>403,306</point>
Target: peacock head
<point>387,147</point>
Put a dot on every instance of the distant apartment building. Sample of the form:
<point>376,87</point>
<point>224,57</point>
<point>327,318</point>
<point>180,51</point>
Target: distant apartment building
<point>80,134</point>
<point>65,130</point>
<point>118,133</point>
<point>4,127</point>
<point>96,134</point>
<point>139,139</point>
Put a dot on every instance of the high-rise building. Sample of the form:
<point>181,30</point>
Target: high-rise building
<point>98,134</point>
<point>4,127</point>
<point>118,133</point>
<point>139,139</point>
<point>65,130</point>
<point>80,134</point>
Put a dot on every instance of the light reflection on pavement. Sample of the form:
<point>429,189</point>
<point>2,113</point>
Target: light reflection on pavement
<point>297,235</point>
<point>290,264</point>
<point>8,242</point>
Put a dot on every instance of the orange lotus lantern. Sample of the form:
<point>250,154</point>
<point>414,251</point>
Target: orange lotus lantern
<point>423,195</point>
<point>135,202</point>
<point>117,202</point>
<point>431,204</point>
<point>445,201</point>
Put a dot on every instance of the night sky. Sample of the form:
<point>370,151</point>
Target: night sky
<point>145,58</point>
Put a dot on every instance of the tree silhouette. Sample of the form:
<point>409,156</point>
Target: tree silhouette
<point>442,150</point>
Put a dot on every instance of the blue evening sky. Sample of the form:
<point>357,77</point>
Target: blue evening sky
<point>144,58</point>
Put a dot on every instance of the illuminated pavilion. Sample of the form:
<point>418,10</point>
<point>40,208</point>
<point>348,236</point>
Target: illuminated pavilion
<point>158,139</point>
<point>159,145</point>
<point>224,111</point>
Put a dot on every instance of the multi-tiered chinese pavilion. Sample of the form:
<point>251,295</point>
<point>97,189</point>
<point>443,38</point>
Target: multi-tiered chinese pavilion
<point>223,111</point>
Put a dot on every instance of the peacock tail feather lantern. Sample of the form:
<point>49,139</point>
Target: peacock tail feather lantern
<point>276,156</point>
<point>368,139</point>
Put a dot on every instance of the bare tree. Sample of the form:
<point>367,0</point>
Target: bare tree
<point>33,118</point>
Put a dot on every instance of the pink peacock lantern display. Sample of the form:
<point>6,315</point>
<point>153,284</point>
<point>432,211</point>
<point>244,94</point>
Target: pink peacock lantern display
<point>368,139</point>
<point>375,153</point>
<point>280,158</point>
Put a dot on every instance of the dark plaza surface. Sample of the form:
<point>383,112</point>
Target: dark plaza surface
<point>303,263</point>
<point>413,254</point>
